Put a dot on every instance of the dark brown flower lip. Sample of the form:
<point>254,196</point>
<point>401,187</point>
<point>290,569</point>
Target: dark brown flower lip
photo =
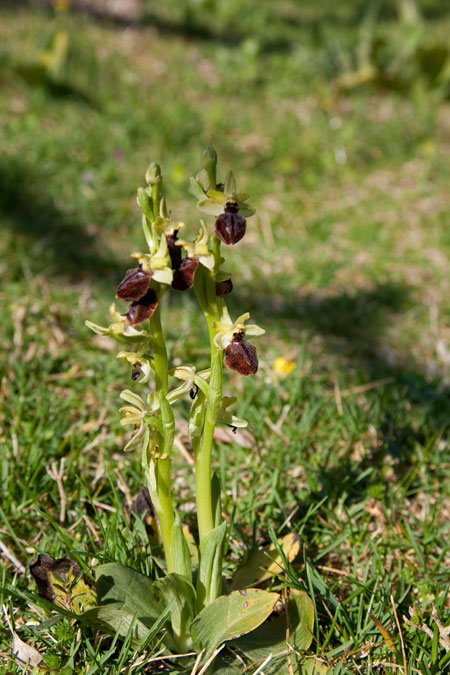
<point>134,285</point>
<point>174,250</point>
<point>224,287</point>
<point>241,356</point>
<point>183,277</point>
<point>142,309</point>
<point>230,227</point>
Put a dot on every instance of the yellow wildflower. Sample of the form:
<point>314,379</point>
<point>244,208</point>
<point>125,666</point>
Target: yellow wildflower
<point>283,366</point>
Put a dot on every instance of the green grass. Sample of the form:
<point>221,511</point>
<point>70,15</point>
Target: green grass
<point>345,265</point>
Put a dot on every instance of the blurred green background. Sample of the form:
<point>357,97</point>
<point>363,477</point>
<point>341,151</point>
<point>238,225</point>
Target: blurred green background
<point>335,117</point>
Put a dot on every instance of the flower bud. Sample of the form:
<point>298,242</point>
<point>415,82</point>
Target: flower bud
<point>230,226</point>
<point>183,277</point>
<point>224,287</point>
<point>241,356</point>
<point>142,309</point>
<point>174,250</point>
<point>134,285</point>
<point>153,174</point>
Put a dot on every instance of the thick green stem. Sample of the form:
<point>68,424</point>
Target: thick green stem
<point>206,293</point>
<point>205,513</point>
<point>162,482</point>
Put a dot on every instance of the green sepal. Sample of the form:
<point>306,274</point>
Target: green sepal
<point>230,184</point>
<point>210,206</point>
<point>180,550</point>
<point>246,210</point>
<point>203,180</point>
<point>231,616</point>
<point>145,202</point>
<point>147,232</point>
<point>154,422</point>
<point>218,196</point>
<point>197,416</point>
<point>202,385</point>
<point>108,331</point>
<point>209,580</point>
<point>196,189</point>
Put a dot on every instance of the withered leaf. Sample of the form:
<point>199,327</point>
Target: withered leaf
<point>59,581</point>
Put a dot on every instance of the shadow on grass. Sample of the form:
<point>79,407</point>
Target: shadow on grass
<point>54,242</point>
<point>36,76</point>
<point>412,407</point>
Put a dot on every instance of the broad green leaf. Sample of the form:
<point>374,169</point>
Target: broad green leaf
<point>209,580</point>
<point>266,563</point>
<point>270,638</point>
<point>181,555</point>
<point>139,596</point>
<point>114,619</point>
<point>226,663</point>
<point>231,616</point>
<point>118,583</point>
<point>312,666</point>
<point>176,591</point>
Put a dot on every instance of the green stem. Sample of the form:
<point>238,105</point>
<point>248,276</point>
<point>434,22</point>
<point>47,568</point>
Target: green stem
<point>206,293</point>
<point>163,501</point>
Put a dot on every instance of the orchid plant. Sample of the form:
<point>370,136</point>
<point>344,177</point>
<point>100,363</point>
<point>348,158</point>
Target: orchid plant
<point>189,607</point>
<point>176,264</point>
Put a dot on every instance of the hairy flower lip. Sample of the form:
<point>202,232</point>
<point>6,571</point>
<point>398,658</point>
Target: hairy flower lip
<point>142,309</point>
<point>241,356</point>
<point>224,287</point>
<point>183,277</point>
<point>230,227</point>
<point>134,285</point>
